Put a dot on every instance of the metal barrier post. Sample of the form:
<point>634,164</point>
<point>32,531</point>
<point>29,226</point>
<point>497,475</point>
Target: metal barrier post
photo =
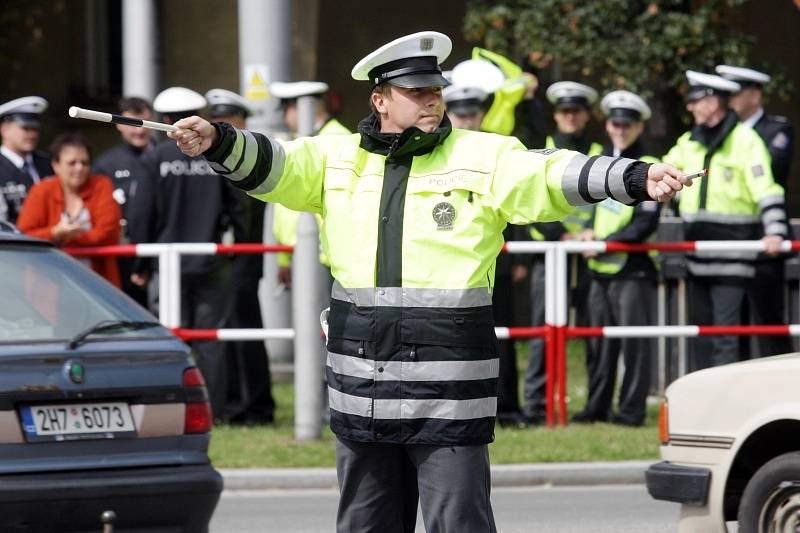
<point>174,287</point>
<point>562,312</point>
<point>682,316</point>
<point>550,339</point>
<point>662,341</point>
<point>308,366</point>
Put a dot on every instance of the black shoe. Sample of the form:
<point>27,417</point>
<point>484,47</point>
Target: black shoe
<point>511,419</point>
<point>536,418</point>
<point>625,421</point>
<point>585,417</point>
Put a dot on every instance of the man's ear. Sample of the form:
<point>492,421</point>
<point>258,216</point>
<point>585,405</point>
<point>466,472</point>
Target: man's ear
<point>379,102</point>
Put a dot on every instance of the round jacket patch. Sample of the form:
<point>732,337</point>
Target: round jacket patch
<point>444,214</point>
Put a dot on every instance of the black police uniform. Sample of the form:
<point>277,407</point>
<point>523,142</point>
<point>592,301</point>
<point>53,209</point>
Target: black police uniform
<point>15,183</point>
<point>194,204</point>
<point>249,398</point>
<point>132,183</point>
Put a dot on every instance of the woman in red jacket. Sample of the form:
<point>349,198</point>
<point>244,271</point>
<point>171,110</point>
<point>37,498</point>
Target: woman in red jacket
<point>74,208</point>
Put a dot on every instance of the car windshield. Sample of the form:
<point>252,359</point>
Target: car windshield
<point>48,296</point>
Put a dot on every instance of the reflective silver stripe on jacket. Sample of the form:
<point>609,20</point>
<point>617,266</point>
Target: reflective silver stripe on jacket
<point>276,171</point>
<point>570,178</point>
<point>741,270</point>
<point>776,228</point>
<point>408,409</point>
<point>721,218</point>
<point>413,370</point>
<point>412,296</point>
<point>616,181</point>
<point>597,177</point>
<point>768,201</point>
<point>740,255</point>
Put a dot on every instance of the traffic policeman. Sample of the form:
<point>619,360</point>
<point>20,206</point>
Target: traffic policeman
<point>414,212</point>
<point>766,292</point>
<point>123,164</point>
<point>249,393</point>
<point>623,286</point>
<point>475,86</point>
<point>738,200</point>
<point>572,102</point>
<point>284,221</point>
<point>21,165</point>
<point>193,204</point>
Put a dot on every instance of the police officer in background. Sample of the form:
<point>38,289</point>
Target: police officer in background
<point>133,192</point>
<point>249,395</point>
<point>573,103</point>
<point>193,204</point>
<point>414,213</point>
<point>623,286</point>
<point>467,100</point>
<point>738,200</point>
<point>284,220</point>
<point>766,291</point>
<point>21,165</point>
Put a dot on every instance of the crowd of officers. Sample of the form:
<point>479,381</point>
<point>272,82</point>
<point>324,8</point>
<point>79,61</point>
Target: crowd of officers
<point>746,152</point>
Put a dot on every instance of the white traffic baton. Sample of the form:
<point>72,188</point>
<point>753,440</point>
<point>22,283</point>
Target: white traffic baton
<point>77,112</point>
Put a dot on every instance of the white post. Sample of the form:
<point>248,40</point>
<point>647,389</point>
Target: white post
<point>164,259</point>
<point>308,361</point>
<point>139,38</point>
<point>174,286</point>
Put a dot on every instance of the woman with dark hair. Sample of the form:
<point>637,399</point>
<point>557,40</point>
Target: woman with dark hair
<point>74,208</point>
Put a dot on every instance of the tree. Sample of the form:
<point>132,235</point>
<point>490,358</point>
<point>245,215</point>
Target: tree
<point>628,44</point>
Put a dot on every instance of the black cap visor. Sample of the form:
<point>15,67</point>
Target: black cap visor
<point>421,80</point>
<point>624,115</point>
<point>465,108</point>
<point>25,120</point>
<point>696,92</point>
<point>227,110</point>
<point>572,102</point>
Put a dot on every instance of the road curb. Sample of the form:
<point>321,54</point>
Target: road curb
<point>524,475</point>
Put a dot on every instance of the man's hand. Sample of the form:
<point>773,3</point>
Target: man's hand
<point>194,136</point>
<point>663,181</point>
<point>285,276</point>
<point>772,244</point>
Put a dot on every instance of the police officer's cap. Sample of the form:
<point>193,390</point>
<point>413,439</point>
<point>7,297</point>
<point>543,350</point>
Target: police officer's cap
<point>702,84</point>
<point>178,100</point>
<point>411,61</point>
<point>743,76</point>
<point>625,106</point>
<point>288,91</point>
<point>463,101</point>
<point>478,73</point>
<point>223,103</point>
<point>25,111</point>
<point>569,94</point>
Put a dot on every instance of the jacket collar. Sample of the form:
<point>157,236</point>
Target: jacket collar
<point>714,136</point>
<point>572,141</point>
<point>411,141</point>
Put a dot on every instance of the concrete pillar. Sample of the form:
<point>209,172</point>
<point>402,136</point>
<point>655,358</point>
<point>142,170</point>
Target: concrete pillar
<point>139,38</point>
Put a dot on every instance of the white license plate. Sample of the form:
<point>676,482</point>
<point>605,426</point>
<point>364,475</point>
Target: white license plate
<point>77,420</point>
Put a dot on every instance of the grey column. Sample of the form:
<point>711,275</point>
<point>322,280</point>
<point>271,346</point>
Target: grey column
<point>265,48</point>
<point>139,38</point>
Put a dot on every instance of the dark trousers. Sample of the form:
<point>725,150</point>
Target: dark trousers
<point>139,294</point>
<point>712,302</point>
<point>620,302</point>
<point>249,395</point>
<point>534,390</point>
<point>203,307</point>
<point>507,383</point>
<point>765,299</point>
<point>381,484</point>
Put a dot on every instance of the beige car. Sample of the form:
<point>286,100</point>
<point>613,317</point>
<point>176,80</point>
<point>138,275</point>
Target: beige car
<point>731,448</point>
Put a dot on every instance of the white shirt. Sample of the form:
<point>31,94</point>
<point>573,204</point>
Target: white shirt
<point>755,117</point>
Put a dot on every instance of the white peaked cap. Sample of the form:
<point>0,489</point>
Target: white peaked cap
<point>478,73</point>
<point>740,74</point>
<point>178,100</point>
<point>296,89</point>
<point>625,105</point>
<point>410,61</point>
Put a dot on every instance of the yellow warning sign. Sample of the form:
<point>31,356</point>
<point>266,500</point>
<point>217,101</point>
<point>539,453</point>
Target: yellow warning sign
<point>256,82</point>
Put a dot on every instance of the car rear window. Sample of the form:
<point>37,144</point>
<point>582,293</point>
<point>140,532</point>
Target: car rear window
<point>46,295</point>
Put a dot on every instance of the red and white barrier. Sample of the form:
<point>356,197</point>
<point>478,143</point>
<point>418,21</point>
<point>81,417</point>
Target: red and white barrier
<point>555,331</point>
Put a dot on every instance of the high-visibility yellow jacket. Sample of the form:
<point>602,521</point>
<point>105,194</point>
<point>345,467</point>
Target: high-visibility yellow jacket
<point>413,225</point>
<point>738,200</point>
<point>284,220</point>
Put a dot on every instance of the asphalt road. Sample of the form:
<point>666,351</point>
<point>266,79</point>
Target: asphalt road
<point>599,509</point>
